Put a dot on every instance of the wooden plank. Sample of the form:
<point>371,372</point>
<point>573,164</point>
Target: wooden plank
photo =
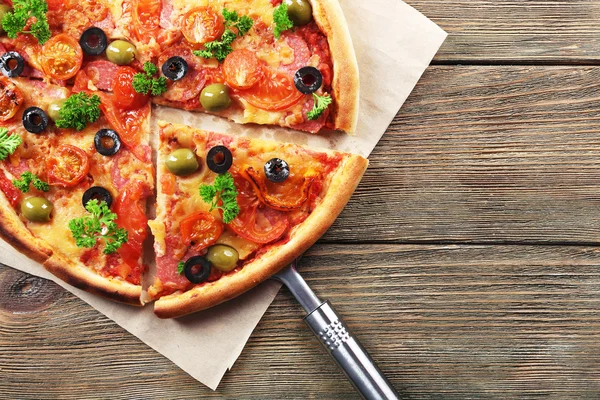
<point>486,154</point>
<point>442,321</point>
<point>526,31</point>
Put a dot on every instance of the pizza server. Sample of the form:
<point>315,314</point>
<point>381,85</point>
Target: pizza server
<point>333,333</point>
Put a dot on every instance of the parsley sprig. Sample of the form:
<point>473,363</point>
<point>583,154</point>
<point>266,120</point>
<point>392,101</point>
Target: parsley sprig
<point>28,178</point>
<point>223,192</point>
<point>79,110</point>
<point>282,20</point>
<point>8,143</point>
<point>236,26</point>
<point>146,82</point>
<point>14,22</point>
<point>321,104</point>
<point>87,231</point>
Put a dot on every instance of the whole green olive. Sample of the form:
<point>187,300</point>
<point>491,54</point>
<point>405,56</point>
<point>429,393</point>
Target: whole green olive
<point>3,10</point>
<point>299,11</point>
<point>54,109</point>
<point>222,257</point>
<point>120,52</point>
<point>36,209</point>
<point>182,162</point>
<point>215,97</point>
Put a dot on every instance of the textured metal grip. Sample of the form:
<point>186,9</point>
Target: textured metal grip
<point>349,354</point>
<point>334,335</point>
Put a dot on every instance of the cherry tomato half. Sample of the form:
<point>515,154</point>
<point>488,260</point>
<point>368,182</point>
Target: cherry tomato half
<point>146,16</point>
<point>256,221</point>
<point>10,191</point>
<point>125,96</point>
<point>128,123</point>
<point>200,230</point>
<point>273,93</point>
<point>68,166</point>
<point>61,57</point>
<point>11,99</point>
<point>131,215</point>
<point>242,69</point>
<point>202,25</point>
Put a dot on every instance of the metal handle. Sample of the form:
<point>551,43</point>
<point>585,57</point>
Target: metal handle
<point>354,360</point>
<point>337,339</point>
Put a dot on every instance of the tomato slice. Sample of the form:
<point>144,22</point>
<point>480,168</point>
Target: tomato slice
<point>201,25</point>
<point>10,191</point>
<point>61,57</point>
<point>68,166</point>
<point>146,16</point>
<point>256,222</point>
<point>200,230</point>
<point>129,124</point>
<point>131,215</point>
<point>125,95</point>
<point>284,196</point>
<point>273,93</point>
<point>242,69</point>
<point>11,99</point>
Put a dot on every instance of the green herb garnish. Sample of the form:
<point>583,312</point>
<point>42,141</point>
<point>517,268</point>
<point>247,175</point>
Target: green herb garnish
<point>14,22</point>
<point>99,226</point>
<point>282,20</point>
<point>28,178</point>
<point>79,110</point>
<point>8,143</point>
<point>321,104</point>
<point>180,267</point>
<point>223,191</point>
<point>146,82</point>
<point>236,26</point>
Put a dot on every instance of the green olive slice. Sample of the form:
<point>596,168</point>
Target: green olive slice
<point>223,257</point>
<point>215,97</point>
<point>299,11</point>
<point>182,162</point>
<point>36,209</point>
<point>120,52</point>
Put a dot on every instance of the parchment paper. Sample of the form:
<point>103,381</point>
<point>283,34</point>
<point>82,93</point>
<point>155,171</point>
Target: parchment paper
<point>394,44</point>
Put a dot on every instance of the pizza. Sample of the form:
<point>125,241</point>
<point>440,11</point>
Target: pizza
<point>232,211</point>
<point>77,171</point>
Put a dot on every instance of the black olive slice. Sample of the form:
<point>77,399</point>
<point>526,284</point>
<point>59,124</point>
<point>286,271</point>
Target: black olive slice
<point>97,193</point>
<point>219,159</point>
<point>175,68</point>
<point>308,80</point>
<point>93,41</point>
<point>107,142</point>
<point>35,120</point>
<point>277,170</point>
<point>12,64</point>
<point>202,267</point>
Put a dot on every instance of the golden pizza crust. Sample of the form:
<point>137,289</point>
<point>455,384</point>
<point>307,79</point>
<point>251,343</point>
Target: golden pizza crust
<point>329,17</point>
<point>84,278</point>
<point>14,232</point>
<point>343,184</point>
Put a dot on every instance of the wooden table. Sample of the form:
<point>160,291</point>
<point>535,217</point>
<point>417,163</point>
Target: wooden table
<point>467,261</point>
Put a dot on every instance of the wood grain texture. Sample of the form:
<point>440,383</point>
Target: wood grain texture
<point>516,31</point>
<point>485,154</point>
<point>442,321</point>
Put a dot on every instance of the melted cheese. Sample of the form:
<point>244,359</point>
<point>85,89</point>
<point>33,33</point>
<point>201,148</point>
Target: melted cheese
<point>259,116</point>
<point>243,246</point>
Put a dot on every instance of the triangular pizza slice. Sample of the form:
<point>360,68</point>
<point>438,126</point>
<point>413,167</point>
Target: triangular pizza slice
<point>289,63</point>
<point>232,211</point>
<point>72,193</point>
